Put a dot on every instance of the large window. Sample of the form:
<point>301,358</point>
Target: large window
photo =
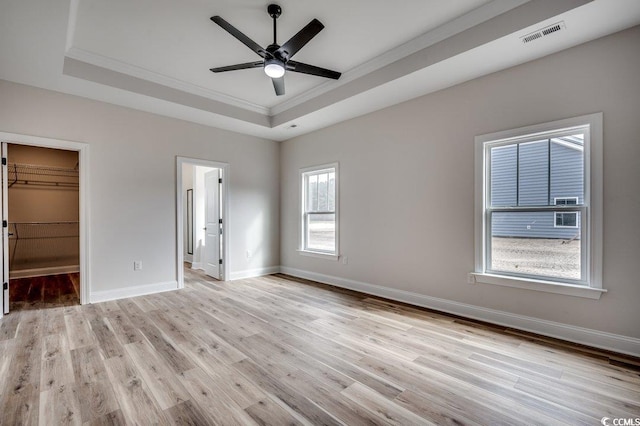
<point>319,230</point>
<point>538,207</point>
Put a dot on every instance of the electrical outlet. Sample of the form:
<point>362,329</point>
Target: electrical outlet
<point>248,254</point>
<point>345,260</point>
<point>137,265</point>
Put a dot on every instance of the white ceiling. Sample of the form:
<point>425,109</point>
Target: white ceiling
<point>155,55</point>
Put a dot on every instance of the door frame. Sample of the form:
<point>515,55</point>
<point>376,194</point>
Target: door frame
<point>180,161</point>
<point>83,163</point>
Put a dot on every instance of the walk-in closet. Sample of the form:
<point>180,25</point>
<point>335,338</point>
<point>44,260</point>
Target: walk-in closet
<point>43,212</point>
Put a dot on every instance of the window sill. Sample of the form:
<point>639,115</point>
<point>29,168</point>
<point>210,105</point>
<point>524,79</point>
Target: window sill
<point>318,254</point>
<point>537,285</point>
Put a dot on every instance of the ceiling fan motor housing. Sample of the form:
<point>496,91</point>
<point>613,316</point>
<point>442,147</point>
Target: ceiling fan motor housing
<point>274,11</point>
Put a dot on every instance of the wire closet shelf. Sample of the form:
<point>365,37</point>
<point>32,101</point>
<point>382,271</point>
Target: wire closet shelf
<point>36,175</point>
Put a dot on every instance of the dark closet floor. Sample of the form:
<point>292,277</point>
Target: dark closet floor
<point>51,291</point>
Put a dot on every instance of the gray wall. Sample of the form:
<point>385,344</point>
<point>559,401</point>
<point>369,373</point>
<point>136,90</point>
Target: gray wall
<point>407,183</point>
<point>133,182</point>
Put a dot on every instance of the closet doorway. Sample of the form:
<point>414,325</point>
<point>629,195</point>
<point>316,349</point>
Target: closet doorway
<point>43,216</point>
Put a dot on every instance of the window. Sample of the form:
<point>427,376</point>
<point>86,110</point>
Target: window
<point>538,207</point>
<point>566,219</point>
<point>319,230</point>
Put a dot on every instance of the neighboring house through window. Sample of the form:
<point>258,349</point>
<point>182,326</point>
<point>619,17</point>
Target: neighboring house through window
<point>319,218</point>
<point>539,207</point>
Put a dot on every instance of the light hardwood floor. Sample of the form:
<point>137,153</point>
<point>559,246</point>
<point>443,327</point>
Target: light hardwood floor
<point>276,350</point>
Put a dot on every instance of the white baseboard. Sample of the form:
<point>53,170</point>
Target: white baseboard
<point>139,290</point>
<point>585,336</point>
<point>250,273</point>
<point>197,265</point>
<point>41,272</point>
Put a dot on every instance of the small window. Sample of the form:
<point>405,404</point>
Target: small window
<point>566,219</point>
<point>319,230</point>
<point>538,205</point>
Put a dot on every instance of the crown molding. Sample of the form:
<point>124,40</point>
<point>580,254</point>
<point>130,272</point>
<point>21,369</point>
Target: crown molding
<point>163,80</point>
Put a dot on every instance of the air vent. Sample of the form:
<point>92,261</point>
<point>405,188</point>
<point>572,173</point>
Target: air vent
<point>543,32</point>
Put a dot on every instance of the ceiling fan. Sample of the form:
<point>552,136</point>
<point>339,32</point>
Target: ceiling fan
<point>276,58</point>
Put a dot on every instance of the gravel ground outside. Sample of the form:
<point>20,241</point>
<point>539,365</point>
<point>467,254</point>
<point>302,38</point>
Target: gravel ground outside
<point>539,256</point>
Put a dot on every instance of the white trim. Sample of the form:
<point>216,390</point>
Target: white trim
<point>537,285</point>
<point>112,64</point>
<point>555,221</point>
<point>40,272</point>
<point>302,191</point>
<point>257,272</point>
<point>585,336</point>
<point>319,254</point>
<point>85,202</point>
<point>180,161</point>
<point>138,290</point>
<point>197,265</point>
<point>591,126</point>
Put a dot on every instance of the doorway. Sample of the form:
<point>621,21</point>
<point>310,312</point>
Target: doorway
<point>202,218</point>
<point>43,183</point>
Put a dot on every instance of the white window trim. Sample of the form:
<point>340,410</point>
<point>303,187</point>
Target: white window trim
<point>555,200</point>
<point>555,225</point>
<point>301,225</point>
<point>593,198</point>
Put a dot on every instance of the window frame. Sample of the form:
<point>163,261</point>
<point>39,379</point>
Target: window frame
<point>303,214</point>
<point>590,286</point>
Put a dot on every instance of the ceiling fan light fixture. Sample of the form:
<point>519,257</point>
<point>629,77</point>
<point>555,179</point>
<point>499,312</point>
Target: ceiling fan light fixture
<point>274,68</point>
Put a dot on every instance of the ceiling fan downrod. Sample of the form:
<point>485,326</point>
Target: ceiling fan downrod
<point>274,11</point>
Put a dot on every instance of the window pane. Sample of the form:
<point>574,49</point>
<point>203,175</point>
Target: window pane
<point>529,243</point>
<point>312,192</point>
<point>533,166</point>
<point>332,192</point>
<point>323,192</point>
<point>321,232</point>
<point>567,169</point>
<point>504,175</point>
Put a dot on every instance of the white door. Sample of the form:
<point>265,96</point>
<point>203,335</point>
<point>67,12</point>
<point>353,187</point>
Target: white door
<point>212,255</point>
<point>5,231</point>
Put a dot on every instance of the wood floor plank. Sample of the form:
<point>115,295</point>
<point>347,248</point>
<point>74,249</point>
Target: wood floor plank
<point>330,399</point>
<point>385,409</point>
<point>60,405</point>
<point>114,418</point>
<point>187,413</point>
<point>97,399</point>
<point>56,368</point>
<point>106,337</point>
<point>78,329</point>
<point>279,350</point>
<point>132,393</point>
<point>287,394</point>
<point>157,374</point>
<point>220,408</point>
<point>267,412</point>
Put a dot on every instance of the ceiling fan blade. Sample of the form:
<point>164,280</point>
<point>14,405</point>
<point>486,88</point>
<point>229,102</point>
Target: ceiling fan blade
<point>244,66</point>
<point>240,36</point>
<point>312,69</point>
<point>278,85</point>
<point>303,37</point>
